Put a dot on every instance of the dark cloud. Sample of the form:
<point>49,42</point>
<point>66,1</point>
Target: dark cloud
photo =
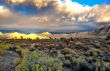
<point>54,17</point>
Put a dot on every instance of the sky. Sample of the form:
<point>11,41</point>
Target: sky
<point>92,2</point>
<point>56,16</point>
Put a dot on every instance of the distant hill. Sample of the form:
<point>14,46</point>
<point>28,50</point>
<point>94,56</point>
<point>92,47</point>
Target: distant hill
<point>103,30</point>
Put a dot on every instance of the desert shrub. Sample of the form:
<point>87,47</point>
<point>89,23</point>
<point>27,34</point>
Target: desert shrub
<point>35,67</point>
<point>39,61</point>
<point>107,66</point>
<point>33,47</point>
<point>17,61</point>
<point>100,65</point>
<point>60,46</point>
<point>78,61</point>
<point>66,51</point>
<point>23,66</point>
<point>12,48</point>
<point>24,52</point>
<point>95,51</point>
<point>2,49</point>
<point>108,37</point>
<point>78,43</point>
<point>50,47</point>
<point>45,62</point>
<point>18,50</point>
<point>67,63</point>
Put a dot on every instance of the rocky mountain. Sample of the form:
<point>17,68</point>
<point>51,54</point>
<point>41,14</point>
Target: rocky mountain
<point>103,30</point>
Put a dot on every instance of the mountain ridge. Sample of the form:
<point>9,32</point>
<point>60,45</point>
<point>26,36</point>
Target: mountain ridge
<point>103,30</point>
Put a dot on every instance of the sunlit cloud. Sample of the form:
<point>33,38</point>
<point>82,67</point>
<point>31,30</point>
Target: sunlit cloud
<point>38,3</point>
<point>103,12</point>
<point>16,1</point>
<point>63,15</point>
<point>4,12</point>
<point>71,8</point>
<point>40,19</point>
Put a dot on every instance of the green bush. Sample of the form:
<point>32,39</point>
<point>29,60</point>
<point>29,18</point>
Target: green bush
<point>100,65</point>
<point>78,43</point>
<point>95,51</point>
<point>23,66</point>
<point>78,61</point>
<point>3,48</point>
<point>39,61</point>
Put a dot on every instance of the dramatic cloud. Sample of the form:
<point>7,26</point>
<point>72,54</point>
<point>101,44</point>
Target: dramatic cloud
<point>16,1</point>
<point>40,19</point>
<point>71,8</point>
<point>4,12</point>
<point>103,12</point>
<point>64,15</point>
<point>38,3</point>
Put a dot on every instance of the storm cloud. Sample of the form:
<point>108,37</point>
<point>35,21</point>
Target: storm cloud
<point>53,16</point>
